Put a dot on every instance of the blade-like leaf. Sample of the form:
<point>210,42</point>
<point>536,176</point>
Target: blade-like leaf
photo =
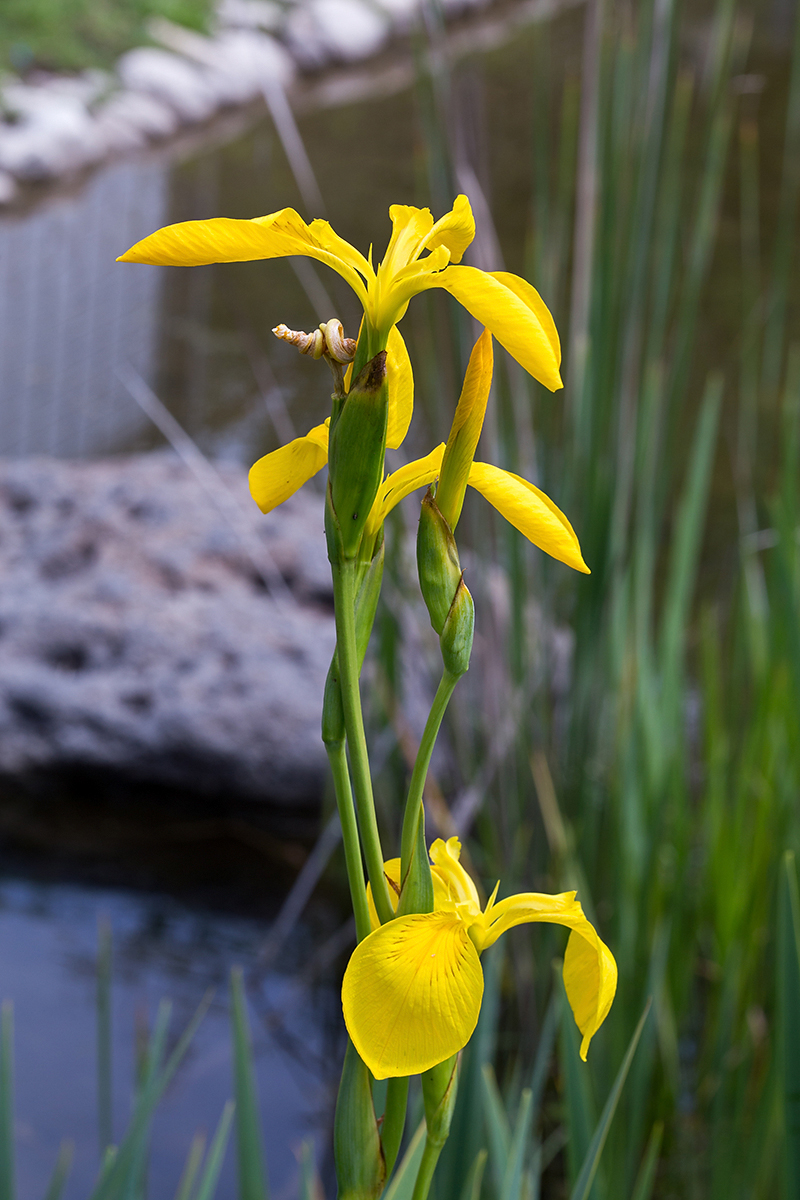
<point>512,1180</point>
<point>646,1179</point>
<point>216,1154</point>
<point>789,1018</point>
<point>402,1183</point>
<point>472,1187</point>
<point>7,1174</point>
<point>498,1127</point>
<point>249,1144</point>
<point>193,1160</point>
<point>588,1171</point>
<point>60,1171</point>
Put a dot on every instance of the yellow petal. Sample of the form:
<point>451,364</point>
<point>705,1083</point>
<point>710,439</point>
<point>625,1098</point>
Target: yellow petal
<point>590,972</point>
<point>512,321</point>
<point>412,993</point>
<point>326,236</point>
<point>455,230</point>
<point>529,511</point>
<point>277,476</point>
<point>529,295</point>
<point>409,227</point>
<point>400,379</point>
<point>465,430</point>
<point>447,866</point>
<point>416,474</point>
<point>223,239</point>
<point>392,872</point>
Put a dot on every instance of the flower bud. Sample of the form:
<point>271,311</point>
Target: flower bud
<point>439,1088</point>
<point>357,1151</point>
<point>455,639</point>
<point>356,453</point>
<point>437,562</point>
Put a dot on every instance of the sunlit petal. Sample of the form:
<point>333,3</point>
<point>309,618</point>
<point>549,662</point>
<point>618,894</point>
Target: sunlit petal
<point>455,230</point>
<point>412,993</point>
<point>465,430</point>
<point>400,379</point>
<point>224,239</point>
<point>409,227</point>
<point>530,296</point>
<point>446,859</point>
<point>590,973</point>
<point>419,473</point>
<point>326,236</point>
<point>277,476</point>
<point>530,511</point>
<point>515,325</point>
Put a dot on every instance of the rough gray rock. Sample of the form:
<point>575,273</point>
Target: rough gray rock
<point>138,636</point>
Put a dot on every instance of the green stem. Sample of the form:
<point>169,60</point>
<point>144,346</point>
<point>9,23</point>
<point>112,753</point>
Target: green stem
<point>430,1157</point>
<point>337,757</point>
<point>420,772</point>
<point>344,579</point>
<point>394,1120</point>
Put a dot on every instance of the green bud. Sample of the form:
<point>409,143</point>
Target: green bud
<point>357,1151</point>
<point>437,562</point>
<point>366,605</point>
<point>455,640</point>
<point>356,454</point>
<point>416,895</point>
<point>439,1088</point>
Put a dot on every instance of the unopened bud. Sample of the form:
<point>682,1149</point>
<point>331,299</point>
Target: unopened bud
<point>437,562</point>
<point>357,1151</point>
<point>455,640</point>
<point>356,453</point>
<point>439,1088</point>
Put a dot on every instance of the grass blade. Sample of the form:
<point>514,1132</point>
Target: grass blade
<point>7,1173</point>
<point>105,1118</point>
<point>646,1179</point>
<point>250,1148</point>
<point>472,1186</point>
<point>512,1180</point>
<point>404,1178</point>
<point>588,1171</point>
<point>60,1172</point>
<point>193,1160</point>
<point>789,1019</point>
<point>497,1125</point>
<point>216,1154</point>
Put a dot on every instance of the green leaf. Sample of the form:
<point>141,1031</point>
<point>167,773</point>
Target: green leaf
<point>60,1171</point>
<point>472,1185</point>
<point>588,1171</point>
<point>498,1127</point>
<point>193,1160</point>
<point>646,1179</point>
<point>789,1019</point>
<point>216,1154</point>
<point>404,1178</point>
<point>252,1164</point>
<point>512,1179</point>
<point>7,1174</point>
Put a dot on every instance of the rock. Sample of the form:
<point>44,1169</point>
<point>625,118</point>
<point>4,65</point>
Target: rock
<point>128,119</point>
<point>250,14</point>
<point>171,79</point>
<point>53,133</point>
<point>402,13</point>
<point>138,638</point>
<point>237,64</point>
<point>8,188</point>
<point>347,30</point>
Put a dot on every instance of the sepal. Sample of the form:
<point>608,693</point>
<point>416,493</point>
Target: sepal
<point>357,1150</point>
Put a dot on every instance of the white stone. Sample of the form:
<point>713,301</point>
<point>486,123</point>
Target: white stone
<point>402,13</point>
<point>53,134</point>
<point>250,14</point>
<point>305,39</point>
<point>129,118</point>
<point>350,28</point>
<point>8,188</point>
<point>170,78</point>
<point>237,64</point>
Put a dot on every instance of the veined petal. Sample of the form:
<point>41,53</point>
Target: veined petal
<point>327,237</point>
<point>460,885</point>
<point>590,972</point>
<point>391,870</point>
<point>412,993</point>
<point>400,379</point>
<point>277,476</point>
<point>465,430</point>
<point>529,295</point>
<point>398,485</point>
<point>455,230</point>
<point>224,239</point>
<point>530,511</point>
<point>409,226</point>
<point>515,325</point>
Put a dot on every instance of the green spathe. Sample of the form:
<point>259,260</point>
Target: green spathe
<point>357,1150</point>
<point>356,453</point>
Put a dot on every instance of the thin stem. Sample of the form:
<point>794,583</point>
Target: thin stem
<point>430,1157</point>
<point>344,604</point>
<point>420,772</point>
<point>337,757</point>
<point>394,1120</point>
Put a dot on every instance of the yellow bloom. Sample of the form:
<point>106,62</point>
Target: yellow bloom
<point>412,990</point>
<point>421,254</point>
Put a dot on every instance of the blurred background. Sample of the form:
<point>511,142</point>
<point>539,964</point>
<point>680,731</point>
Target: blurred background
<point>633,734</point>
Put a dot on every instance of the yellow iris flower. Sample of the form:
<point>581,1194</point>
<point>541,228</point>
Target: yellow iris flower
<point>412,990</point>
<point>277,475</point>
<point>421,254</point>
